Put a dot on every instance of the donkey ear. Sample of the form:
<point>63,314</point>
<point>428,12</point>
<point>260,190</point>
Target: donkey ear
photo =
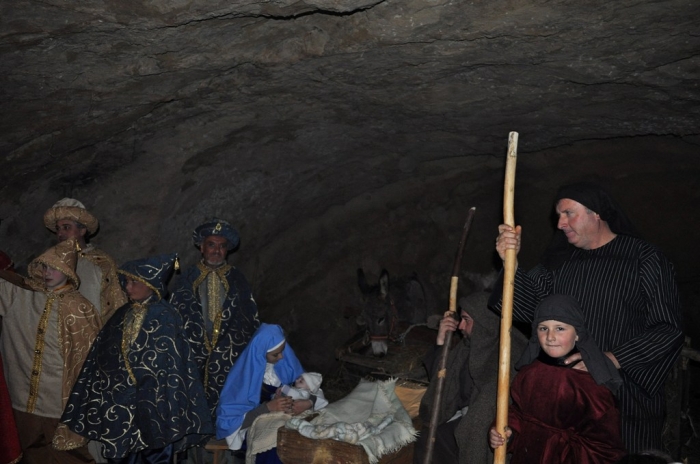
<point>362,281</point>
<point>384,283</point>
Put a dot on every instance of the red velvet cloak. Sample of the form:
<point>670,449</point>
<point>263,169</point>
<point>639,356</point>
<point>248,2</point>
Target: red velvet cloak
<point>560,415</point>
<point>10,450</point>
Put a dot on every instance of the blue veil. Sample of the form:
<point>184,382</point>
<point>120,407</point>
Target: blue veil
<point>241,392</point>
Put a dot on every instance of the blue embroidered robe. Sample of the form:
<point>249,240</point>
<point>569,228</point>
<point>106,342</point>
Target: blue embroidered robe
<point>239,321</point>
<point>152,399</point>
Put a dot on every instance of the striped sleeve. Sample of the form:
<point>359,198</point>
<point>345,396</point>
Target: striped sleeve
<point>649,356</point>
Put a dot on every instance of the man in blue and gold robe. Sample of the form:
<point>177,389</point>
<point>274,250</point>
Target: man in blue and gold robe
<point>217,307</point>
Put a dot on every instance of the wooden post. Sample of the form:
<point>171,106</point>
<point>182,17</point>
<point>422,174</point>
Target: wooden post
<point>507,306</point>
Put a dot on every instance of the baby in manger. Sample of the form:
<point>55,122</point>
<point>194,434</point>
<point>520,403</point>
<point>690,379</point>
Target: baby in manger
<point>306,387</point>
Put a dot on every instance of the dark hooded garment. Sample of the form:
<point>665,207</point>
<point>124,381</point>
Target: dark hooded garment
<point>566,309</point>
<point>471,380</point>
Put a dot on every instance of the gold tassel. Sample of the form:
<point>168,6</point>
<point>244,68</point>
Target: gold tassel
<point>77,247</point>
<point>177,263</point>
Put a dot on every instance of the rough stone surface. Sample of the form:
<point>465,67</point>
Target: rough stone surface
<point>339,134</point>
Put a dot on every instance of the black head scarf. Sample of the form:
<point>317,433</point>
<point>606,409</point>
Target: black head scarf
<point>595,198</point>
<point>564,308</point>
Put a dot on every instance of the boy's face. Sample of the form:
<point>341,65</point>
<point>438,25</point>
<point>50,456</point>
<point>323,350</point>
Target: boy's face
<point>137,291</point>
<point>300,383</point>
<point>556,338</point>
<point>53,278</point>
<point>274,356</point>
<point>65,229</point>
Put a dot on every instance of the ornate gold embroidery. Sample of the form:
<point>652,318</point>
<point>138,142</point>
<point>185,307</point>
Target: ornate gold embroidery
<point>204,271</point>
<point>132,325</point>
<point>39,352</point>
<point>214,310</point>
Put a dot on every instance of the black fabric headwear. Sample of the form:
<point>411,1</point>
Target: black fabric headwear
<point>564,308</point>
<point>594,197</point>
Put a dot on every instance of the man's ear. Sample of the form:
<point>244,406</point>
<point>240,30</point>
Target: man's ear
<point>83,231</point>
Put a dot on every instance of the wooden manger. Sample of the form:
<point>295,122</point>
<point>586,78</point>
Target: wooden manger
<point>294,448</point>
<point>404,361</point>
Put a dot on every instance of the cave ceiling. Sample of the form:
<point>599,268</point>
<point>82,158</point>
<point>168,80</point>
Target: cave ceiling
<point>338,134</point>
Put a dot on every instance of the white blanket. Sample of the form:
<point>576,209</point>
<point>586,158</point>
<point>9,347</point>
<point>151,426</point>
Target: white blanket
<point>371,416</point>
<point>262,434</point>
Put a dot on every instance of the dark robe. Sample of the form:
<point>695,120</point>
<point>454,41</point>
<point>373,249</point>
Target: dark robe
<point>472,431</point>
<point>155,399</point>
<point>455,394</point>
<point>560,415</point>
<point>472,372</point>
<point>628,294</point>
<point>239,321</point>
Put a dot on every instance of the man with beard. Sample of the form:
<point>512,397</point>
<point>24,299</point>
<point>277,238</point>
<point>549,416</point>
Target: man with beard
<point>215,301</point>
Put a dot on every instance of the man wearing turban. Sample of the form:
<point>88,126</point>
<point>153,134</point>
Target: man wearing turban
<point>68,218</point>
<point>217,306</point>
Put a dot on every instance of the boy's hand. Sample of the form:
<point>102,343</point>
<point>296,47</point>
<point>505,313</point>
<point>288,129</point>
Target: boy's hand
<point>496,439</point>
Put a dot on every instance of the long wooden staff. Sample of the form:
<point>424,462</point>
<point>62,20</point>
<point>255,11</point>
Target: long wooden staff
<point>507,306</point>
<point>442,371</point>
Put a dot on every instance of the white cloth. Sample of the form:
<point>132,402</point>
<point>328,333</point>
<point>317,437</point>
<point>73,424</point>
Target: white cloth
<point>313,381</point>
<point>371,416</point>
<point>295,393</point>
<point>262,434</point>
<point>270,377</point>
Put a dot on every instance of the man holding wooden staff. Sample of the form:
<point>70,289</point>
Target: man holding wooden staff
<point>457,391</point>
<point>627,291</point>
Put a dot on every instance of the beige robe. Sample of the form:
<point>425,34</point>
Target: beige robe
<point>99,282</point>
<point>71,327</point>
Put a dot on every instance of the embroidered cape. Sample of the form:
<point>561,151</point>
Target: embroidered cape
<point>140,387</point>
<point>216,349</point>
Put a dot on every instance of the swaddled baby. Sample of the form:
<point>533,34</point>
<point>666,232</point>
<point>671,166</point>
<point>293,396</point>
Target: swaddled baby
<point>306,387</point>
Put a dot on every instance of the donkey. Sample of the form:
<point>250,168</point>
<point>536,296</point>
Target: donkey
<point>386,304</point>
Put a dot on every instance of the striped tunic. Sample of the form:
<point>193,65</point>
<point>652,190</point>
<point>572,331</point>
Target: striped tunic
<point>628,293</point>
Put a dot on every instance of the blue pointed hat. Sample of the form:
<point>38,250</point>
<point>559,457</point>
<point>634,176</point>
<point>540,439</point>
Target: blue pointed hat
<point>219,227</point>
<point>154,272</point>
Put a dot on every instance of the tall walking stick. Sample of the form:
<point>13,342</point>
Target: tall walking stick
<point>442,371</point>
<point>507,307</point>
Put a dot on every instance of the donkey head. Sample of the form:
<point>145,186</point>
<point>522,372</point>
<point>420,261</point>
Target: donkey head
<point>376,311</point>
